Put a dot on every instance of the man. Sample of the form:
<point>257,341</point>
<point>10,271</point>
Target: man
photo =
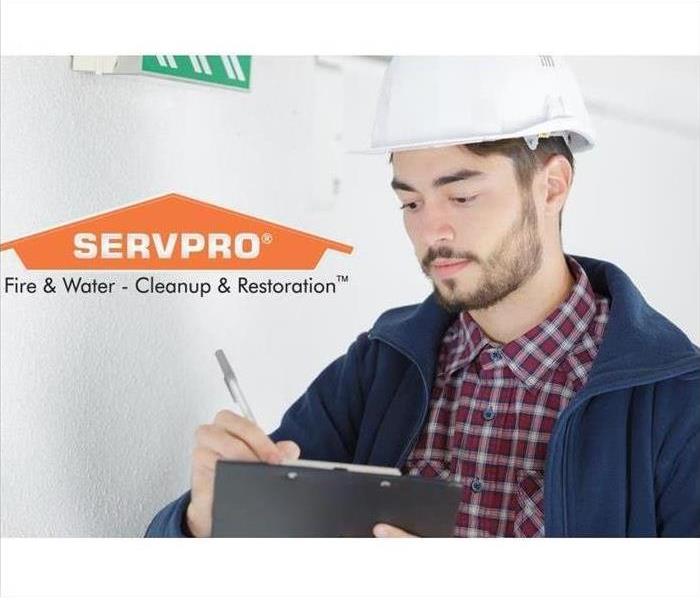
<point>544,383</point>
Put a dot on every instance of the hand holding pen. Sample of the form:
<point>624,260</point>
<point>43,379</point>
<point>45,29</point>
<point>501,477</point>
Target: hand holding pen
<point>228,437</point>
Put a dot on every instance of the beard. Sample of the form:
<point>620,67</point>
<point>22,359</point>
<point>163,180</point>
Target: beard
<point>517,257</point>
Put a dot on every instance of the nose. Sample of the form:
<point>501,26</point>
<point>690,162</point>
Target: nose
<point>437,225</point>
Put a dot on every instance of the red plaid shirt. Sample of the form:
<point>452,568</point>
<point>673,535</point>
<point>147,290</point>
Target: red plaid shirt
<point>493,407</point>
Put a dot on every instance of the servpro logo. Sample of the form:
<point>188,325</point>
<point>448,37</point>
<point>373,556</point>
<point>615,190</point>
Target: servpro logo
<point>140,245</point>
<point>172,232</point>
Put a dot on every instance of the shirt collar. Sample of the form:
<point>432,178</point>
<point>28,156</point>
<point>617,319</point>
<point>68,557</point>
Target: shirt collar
<point>536,354</point>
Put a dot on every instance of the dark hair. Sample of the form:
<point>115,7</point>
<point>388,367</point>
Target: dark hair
<point>525,161</point>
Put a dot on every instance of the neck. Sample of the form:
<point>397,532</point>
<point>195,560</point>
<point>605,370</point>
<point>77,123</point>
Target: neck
<point>529,305</point>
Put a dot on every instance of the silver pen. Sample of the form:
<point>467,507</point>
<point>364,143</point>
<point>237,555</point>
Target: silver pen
<point>233,387</point>
<point>238,397</point>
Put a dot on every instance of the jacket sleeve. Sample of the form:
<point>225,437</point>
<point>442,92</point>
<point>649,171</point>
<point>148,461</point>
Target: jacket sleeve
<point>678,496</point>
<point>324,422</point>
<point>678,510</point>
<point>170,521</point>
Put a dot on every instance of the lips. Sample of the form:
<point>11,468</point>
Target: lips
<point>447,268</point>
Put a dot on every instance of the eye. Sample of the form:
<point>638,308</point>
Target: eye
<point>409,206</point>
<point>464,199</point>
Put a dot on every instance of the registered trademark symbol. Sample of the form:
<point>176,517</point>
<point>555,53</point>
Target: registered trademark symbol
<point>266,238</point>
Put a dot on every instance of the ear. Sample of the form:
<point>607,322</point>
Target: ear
<point>558,177</point>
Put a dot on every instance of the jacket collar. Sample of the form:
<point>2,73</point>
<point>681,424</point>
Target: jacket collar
<point>639,345</point>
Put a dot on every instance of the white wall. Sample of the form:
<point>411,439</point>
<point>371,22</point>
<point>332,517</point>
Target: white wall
<point>100,396</point>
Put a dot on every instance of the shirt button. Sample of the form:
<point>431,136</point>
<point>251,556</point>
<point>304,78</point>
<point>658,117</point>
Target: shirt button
<point>496,355</point>
<point>489,414</point>
<point>477,485</point>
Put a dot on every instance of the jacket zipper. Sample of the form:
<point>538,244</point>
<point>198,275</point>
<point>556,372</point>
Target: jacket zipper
<point>563,474</point>
<point>416,432</point>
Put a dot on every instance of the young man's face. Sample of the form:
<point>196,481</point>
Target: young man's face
<point>475,232</point>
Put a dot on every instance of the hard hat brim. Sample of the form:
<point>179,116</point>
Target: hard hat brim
<point>579,140</point>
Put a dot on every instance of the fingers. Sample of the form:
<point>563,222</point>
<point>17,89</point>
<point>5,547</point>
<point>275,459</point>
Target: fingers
<point>384,530</point>
<point>247,431</point>
<point>204,459</point>
<point>221,442</point>
<point>289,448</point>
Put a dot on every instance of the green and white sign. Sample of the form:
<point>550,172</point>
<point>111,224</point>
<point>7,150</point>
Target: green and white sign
<point>228,70</point>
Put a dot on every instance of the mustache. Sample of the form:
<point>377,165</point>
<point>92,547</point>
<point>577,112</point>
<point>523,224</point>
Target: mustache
<point>445,252</point>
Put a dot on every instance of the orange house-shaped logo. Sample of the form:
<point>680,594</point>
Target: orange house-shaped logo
<point>172,232</point>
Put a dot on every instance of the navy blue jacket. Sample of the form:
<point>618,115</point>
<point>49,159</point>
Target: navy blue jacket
<point>623,458</point>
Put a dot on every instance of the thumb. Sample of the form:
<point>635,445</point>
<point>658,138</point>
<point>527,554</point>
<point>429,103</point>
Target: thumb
<point>289,448</point>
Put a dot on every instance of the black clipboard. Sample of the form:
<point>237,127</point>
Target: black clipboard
<point>262,500</point>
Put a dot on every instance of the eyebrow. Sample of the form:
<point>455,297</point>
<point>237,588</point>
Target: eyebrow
<point>461,175</point>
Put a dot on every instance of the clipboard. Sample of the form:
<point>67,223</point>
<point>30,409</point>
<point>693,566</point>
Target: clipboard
<point>289,500</point>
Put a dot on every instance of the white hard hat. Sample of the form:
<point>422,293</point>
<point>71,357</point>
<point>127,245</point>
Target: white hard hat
<point>446,100</point>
